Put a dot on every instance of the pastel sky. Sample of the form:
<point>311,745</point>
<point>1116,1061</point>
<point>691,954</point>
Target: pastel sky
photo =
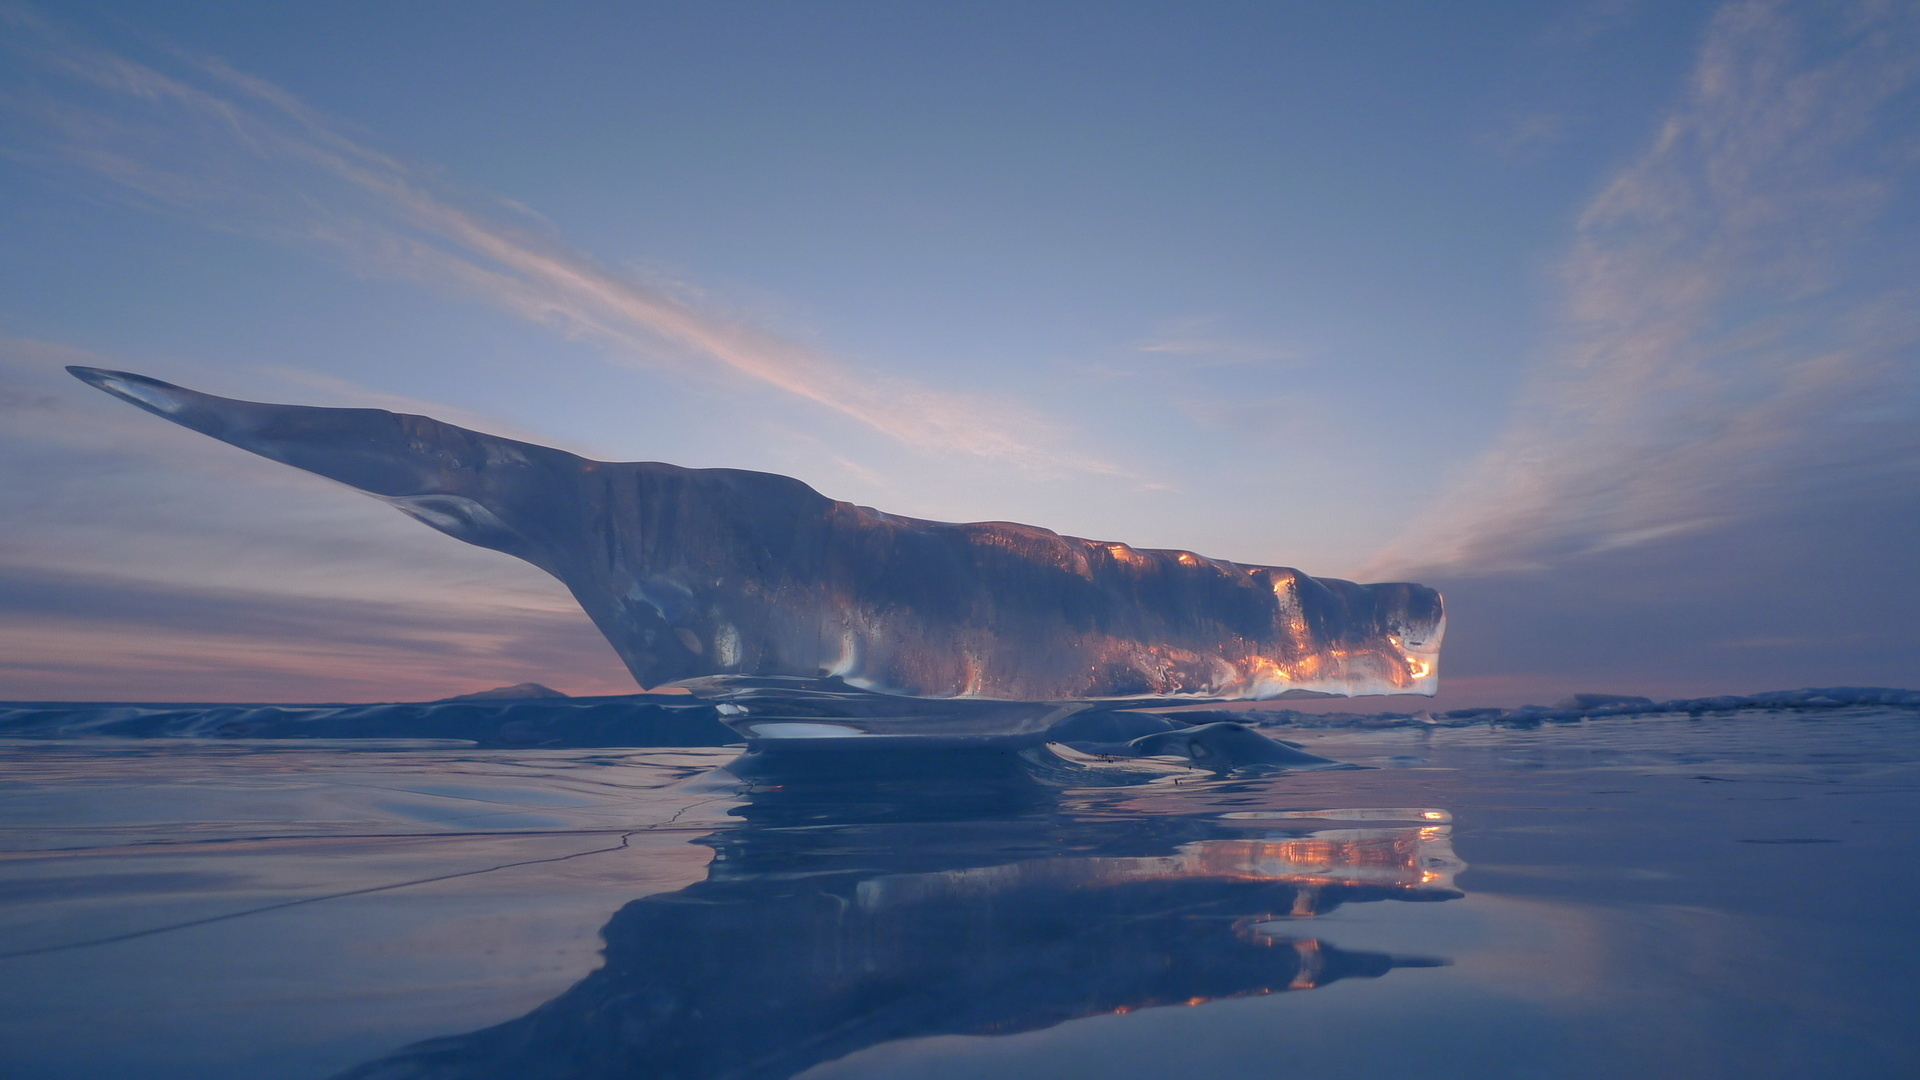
<point>1598,315</point>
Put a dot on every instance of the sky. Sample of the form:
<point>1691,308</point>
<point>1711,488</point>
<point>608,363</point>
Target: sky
<point>1597,315</point>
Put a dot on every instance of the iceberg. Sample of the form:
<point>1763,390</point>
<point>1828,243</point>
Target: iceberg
<point>710,578</point>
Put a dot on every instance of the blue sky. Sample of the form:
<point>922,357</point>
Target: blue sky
<point>1599,316</point>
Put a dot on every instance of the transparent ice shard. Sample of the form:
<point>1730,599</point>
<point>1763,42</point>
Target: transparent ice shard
<point>698,574</point>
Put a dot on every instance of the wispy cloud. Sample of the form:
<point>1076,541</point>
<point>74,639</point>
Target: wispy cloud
<point>1199,342</point>
<point>238,153</point>
<point>1259,418</point>
<point>1525,135</point>
<point>1722,444</point>
<point>1578,23</point>
<point>1741,325</point>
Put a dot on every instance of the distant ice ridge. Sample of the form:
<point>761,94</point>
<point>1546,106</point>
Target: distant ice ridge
<point>494,723</point>
<point>678,720</point>
<point>695,573</point>
<point>1580,707</point>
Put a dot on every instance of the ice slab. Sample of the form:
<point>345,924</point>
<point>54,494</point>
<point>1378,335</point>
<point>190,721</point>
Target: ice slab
<point>703,573</point>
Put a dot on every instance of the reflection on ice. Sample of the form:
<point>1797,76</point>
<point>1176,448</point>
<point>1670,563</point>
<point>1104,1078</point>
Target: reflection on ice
<point>963,902</point>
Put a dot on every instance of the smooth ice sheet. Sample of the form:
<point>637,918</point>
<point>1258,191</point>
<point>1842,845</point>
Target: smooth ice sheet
<point>1717,897</point>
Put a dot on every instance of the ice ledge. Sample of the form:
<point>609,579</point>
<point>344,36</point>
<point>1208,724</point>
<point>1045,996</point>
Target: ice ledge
<point>724,573</point>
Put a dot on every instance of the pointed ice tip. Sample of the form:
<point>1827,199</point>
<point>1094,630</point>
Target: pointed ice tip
<point>150,394</point>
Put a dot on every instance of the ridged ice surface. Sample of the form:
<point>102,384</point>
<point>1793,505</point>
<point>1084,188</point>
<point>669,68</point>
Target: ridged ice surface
<point>720,572</point>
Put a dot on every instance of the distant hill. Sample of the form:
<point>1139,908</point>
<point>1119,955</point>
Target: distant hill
<point>517,692</point>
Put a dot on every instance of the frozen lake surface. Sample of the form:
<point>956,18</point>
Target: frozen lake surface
<point>1730,896</point>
